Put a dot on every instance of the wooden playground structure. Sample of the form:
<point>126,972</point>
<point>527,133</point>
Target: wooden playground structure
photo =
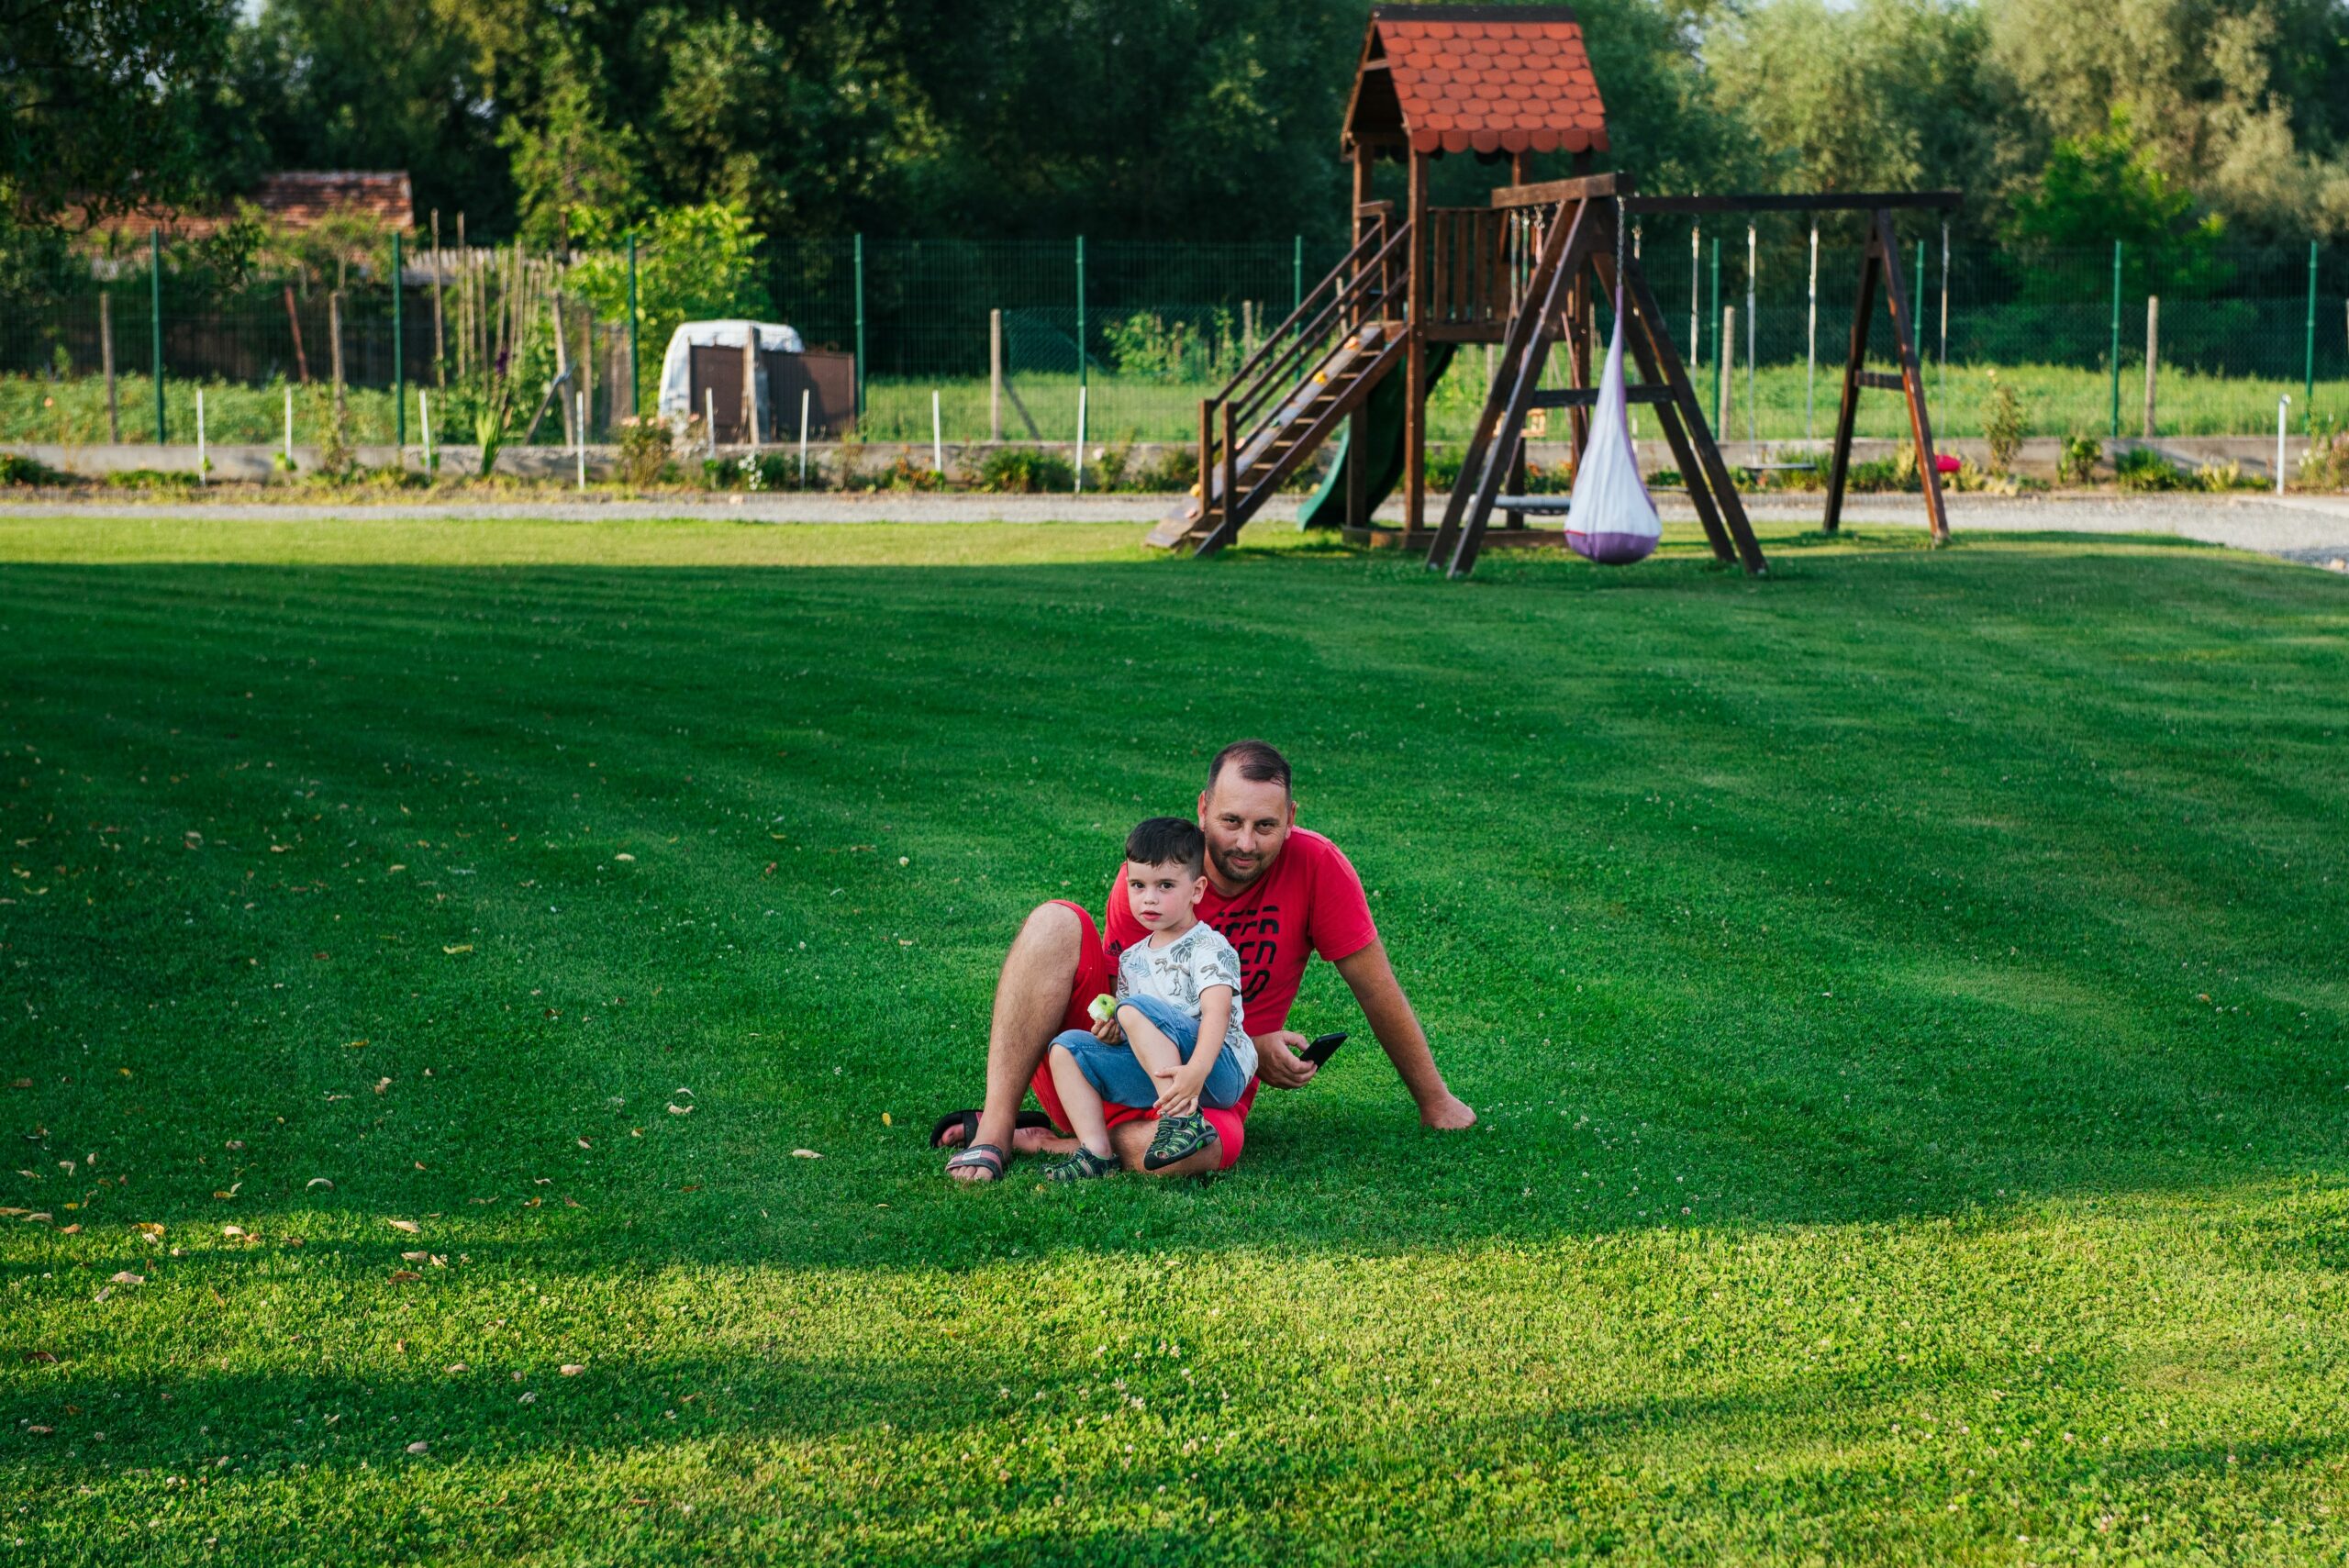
<point>1358,356</point>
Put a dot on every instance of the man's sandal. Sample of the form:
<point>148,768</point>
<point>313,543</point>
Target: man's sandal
<point>1178,1138</point>
<point>979,1157</point>
<point>969,1122</point>
<point>1081,1166</point>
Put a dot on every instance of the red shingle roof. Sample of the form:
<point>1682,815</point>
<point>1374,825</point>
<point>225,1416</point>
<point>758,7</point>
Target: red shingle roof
<point>1482,79</point>
<point>298,199</point>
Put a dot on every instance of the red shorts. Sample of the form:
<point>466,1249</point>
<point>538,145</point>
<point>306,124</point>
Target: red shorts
<point>1096,972</point>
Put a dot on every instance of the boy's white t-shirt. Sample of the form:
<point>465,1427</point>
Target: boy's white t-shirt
<point>1178,972</point>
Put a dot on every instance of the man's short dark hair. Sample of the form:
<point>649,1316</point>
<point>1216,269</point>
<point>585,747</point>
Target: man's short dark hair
<point>1168,841</point>
<point>1257,761</point>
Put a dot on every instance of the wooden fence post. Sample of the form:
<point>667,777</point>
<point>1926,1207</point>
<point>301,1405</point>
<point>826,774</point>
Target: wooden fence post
<point>1725,368</point>
<point>995,375</point>
<point>2152,356</point>
<point>106,349</point>
<point>334,332</point>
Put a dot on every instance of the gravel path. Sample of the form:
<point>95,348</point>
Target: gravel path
<point>2307,529</point>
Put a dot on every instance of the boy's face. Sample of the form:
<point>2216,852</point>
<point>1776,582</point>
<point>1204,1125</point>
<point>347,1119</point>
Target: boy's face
<point>1163,895</point>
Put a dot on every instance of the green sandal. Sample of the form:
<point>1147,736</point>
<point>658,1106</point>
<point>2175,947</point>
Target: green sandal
<point>1179,1138</point>
<point>1081,1166</point>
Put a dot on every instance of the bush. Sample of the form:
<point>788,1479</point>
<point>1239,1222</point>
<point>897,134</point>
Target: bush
<point>645,450</point>
<point>2143,470</point>
<point>150,479</point>
<point>16,470</point>
<point>1026,471</point>
<point>1175,470</point>
<point>2325,464</point>
<point>2076,465</point>
<point>2219,475</point>
<point>2004,427</point>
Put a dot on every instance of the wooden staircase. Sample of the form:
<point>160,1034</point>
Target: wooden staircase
<point>1275,449</point>
<point>1313,372</point>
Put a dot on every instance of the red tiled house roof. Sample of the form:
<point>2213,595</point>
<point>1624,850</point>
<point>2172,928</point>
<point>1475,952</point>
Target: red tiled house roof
<point>298,199</point>
<point>1486,79</point>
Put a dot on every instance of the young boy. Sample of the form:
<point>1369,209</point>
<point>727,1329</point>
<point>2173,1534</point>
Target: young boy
<point>1175,1040</point>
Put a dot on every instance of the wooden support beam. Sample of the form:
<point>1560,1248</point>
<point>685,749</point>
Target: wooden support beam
<point>1587,396</point>
<point>1896,296</point>
<point>1549,193</point>
<point>1415,366</point>
<point>1839,466</point>
<point>1858,201</point>
<point>1882,382</point>
<point>1699,435</point>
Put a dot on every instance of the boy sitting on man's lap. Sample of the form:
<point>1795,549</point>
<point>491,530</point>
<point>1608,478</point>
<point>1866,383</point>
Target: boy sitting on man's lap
<point>1175,1040</point>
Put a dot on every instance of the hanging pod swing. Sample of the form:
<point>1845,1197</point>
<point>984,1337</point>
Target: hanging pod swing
<point>1612,518</point>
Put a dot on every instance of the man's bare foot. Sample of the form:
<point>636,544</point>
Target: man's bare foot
<point>1449,1114</point>
<point>1025,1140</point>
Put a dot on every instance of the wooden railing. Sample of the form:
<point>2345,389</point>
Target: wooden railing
<point>1366,285</point>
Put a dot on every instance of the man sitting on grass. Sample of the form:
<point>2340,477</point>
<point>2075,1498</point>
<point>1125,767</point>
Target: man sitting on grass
<point>1279,893</point>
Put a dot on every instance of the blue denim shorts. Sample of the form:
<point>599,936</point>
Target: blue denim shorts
<point>1118,1076</point>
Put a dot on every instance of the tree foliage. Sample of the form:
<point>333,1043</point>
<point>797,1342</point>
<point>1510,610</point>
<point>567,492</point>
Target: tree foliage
<point>101,104</point>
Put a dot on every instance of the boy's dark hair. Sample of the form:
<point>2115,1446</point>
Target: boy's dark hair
<point>1163,839</point>
<point>1257,761</point>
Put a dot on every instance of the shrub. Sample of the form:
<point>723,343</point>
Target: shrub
<point>2325,464</point>
<point>2219,475</point>
<point>2076,465</point>
<point>645,450</point>
<point>19,469</point>
<point>2143,470</point>
<point>2004,427</point>
<point>1025,471</point>
<point>1175,470</point>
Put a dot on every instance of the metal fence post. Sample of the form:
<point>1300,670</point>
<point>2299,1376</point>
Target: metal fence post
<point>2115,339</point>
<point>1916,311</point>
<point>2308,392</point>
<point>860,326</point>
<point>1083,378</point>
<point>155,321</point>
<point>1296,274</point>
<point>399,380</point>
<point>635,387</point>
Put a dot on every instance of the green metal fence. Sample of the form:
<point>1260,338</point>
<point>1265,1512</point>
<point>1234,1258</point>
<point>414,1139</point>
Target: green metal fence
<point>1013,337</point>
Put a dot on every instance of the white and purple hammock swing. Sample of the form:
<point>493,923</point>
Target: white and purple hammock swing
<point>1612,519</point>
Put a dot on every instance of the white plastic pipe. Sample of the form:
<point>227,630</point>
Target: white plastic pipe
<point>803,436</point>
<point>937,440</point>
<point>199,435</point>
<point>424,418</point>
<point>709,417</point>
<point>1752,432</point>
<point>1079,490</point>
<point>289,426</point>
<point>2283,406</point>
<point>579,402</point>
<point>1810,353</point>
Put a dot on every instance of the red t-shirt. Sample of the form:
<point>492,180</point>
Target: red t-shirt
<point>1309,900</point>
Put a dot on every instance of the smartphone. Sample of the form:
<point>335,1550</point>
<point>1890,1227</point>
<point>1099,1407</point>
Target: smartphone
<point>1322,1048</point>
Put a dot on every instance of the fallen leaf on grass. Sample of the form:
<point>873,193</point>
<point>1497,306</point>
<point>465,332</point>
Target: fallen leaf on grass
<point>39,1218</point>
<point>320,1182</point>
<point>415,1257</point>
<point>382,1085</point>
<point>148,1229</point>
<point>234,1143</point>
<point>681,1110</point>
<point>584,1144</point>
<point>458,1369</point>
<point>404,1277</point>
<point>227,1192</point>
<point>573,1369</point>
<point>624,857</point>
<point>418,1447</point>
<point>40,1431</point>
<point>885,1120</point>
<point>410,1226</point>
<point>460,947</point>
<point>805,1154</point>
<point>42,1358</point>
<point>71,1231</point>
<point>126,1277</point>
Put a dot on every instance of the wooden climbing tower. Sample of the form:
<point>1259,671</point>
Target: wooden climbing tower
<point>1524,272</point>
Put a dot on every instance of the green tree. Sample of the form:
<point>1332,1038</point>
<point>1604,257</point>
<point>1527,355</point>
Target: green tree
<point>2097,189</point>
<point>101,104</point>
<point>694,263</point>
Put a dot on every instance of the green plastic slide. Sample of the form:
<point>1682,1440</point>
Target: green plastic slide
<point>1326,508</point>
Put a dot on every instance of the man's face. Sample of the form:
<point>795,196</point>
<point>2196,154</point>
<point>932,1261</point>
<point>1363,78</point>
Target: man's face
<point>1246,823</point>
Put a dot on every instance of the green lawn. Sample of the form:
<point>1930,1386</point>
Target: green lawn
<point>1905,997</point>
